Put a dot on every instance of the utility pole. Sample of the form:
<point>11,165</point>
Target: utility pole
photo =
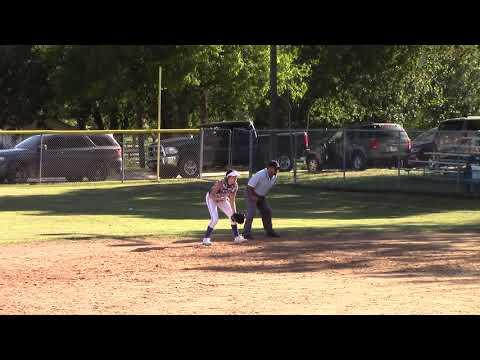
<point>159,119</point>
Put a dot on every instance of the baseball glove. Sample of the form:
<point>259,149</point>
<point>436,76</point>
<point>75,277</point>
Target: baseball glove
<point>239,218</point>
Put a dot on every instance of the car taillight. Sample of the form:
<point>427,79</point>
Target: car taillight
<point>373,144</point>
<point>119,152</point>
<point>305,139</point>
<point>409,144</point>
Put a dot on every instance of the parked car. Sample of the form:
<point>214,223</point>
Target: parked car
<point>457,135</point>
<point>366,144</point>
<point>422,145</point>
<point>277,144</point>
<point>224,143</point>
<point>71,156</point>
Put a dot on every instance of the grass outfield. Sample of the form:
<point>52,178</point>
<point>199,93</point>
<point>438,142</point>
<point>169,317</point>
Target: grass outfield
<point>176,208</point>
<point>385,180</point>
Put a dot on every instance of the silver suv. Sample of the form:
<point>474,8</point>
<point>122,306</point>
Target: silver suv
<point>458,135</point>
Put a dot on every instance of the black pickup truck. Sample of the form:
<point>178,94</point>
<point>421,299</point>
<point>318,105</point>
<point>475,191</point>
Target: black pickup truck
<point>225,144</point>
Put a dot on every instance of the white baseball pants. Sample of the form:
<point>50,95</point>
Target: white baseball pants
<point>213,209</point>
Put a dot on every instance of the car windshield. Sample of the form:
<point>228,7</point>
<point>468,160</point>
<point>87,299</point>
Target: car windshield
<point>30,143</point>
<point>451,125</point>
<point>103,140</point>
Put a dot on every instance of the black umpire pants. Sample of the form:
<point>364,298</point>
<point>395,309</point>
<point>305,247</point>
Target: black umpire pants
<point>265,211</point>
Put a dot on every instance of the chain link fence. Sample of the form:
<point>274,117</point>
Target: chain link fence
<point>389,160</point>
<point>56,156</point>
<point>376,159</point>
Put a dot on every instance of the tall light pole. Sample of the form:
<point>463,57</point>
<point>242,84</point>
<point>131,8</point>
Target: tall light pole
<point>159,119</point>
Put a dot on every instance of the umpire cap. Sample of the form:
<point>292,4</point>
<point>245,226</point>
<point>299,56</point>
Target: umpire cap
<point>274,163</point>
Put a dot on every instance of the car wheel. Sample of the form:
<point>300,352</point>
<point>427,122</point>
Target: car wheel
<point>189,168</point>
<point>285,162</point>
<point>18,174</point>
<point>313,165</point>
<point>99,172</point>
<point>359,162</point>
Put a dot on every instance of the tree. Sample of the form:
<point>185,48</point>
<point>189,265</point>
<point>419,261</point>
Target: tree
<point>24,85</point>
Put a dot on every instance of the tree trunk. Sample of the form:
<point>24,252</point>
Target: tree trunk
<point>183,117</point>
<point>204,108</point>
<point>273,87</point>
<point>303,117</point>
<point>82,123</point>
<point>114,124</point>
<point>184,111</point>
<point>126,113</point>
<point>97,118</point>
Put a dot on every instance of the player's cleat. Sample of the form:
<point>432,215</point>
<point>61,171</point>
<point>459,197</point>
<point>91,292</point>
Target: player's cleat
<point>206,242</point>
<point>239,239</point>
<point>248,237</point>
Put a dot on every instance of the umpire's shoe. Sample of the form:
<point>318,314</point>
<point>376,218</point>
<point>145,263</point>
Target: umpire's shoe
<point>273,234</point>
<point>248,236</point>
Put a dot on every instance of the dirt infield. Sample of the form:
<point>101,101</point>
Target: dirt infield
<point>352,273</point>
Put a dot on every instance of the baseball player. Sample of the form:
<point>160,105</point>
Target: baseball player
<point>222,195</point>
<point>257,188</point>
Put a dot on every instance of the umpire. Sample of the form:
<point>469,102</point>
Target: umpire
<point>257,188</point>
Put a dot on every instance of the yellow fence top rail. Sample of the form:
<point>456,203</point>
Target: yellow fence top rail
<point>97,132</point>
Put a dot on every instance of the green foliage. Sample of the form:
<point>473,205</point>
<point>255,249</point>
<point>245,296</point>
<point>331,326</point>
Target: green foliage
<point>24,86</point>
<point>117,86</point>
<point>412,85</point>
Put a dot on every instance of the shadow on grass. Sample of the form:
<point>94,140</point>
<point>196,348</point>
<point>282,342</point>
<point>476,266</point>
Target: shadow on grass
<point>407,184</point>
<point>186,201</point>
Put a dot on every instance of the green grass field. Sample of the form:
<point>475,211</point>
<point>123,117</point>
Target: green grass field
<point>176,208</point>
<point>385,180</point>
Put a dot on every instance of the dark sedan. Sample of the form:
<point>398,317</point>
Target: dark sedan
<point>422,145</point>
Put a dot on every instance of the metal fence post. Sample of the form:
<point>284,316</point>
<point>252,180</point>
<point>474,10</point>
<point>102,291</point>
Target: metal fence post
<point>344,152</point>
<point>123,158</point>
<point>292,150</point>
<point>295,160</point>
<point>398,159</point>
<point>250,154</point>
<point>158,156</point>
<point>229,148</point>
<point>41,159</point>
<point>201,153</point>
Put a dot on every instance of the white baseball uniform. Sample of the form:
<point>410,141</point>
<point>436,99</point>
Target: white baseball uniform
<point>218,197</point>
